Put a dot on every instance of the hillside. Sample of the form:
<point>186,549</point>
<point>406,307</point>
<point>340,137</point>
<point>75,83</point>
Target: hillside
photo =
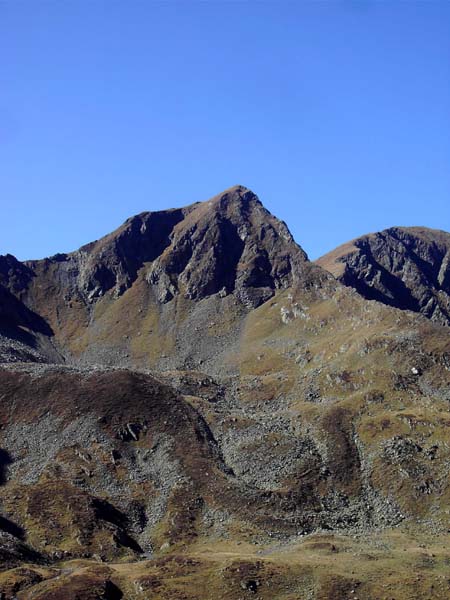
<point>203,413</point>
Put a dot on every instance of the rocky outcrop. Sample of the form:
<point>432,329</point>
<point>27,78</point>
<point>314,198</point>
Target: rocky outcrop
<point>405,267</point>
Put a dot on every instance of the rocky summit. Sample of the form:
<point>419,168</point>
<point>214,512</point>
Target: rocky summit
<point>406,267</point>
<point>191,409</point>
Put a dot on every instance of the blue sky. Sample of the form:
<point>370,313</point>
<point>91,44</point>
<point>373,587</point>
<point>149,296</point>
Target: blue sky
<point>337,114</point>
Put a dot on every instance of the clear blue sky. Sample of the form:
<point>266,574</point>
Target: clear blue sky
<point>337,114</point>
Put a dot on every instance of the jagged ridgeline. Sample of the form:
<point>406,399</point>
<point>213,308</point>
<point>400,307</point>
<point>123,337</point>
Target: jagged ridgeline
<point>190,408</point>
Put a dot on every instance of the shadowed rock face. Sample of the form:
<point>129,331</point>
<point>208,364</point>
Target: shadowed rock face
<point>405,267</point>
<point>14,275</point>
<point>24,334</point>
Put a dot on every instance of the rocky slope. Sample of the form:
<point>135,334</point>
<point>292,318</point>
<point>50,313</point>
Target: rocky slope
<point>405,267</point>
<point>230,422</point>
<point>24,334</point>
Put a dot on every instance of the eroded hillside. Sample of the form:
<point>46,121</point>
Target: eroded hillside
<point>230,422</point>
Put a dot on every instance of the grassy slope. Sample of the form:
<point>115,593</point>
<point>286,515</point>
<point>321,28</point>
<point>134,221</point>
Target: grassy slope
<point>358,357</point>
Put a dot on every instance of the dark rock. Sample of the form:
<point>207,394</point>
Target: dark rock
<point>129,432</point>
<point>251,585</point>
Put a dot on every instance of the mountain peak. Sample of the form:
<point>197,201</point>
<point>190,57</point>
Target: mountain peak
<point>238,190</point>
<point>231,203</point>
<point>405,267</point>
<point>225,255</point>
<point>229,244</point>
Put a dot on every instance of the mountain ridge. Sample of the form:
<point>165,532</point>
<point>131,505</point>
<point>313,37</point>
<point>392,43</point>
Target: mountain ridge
<point>229,249</point>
